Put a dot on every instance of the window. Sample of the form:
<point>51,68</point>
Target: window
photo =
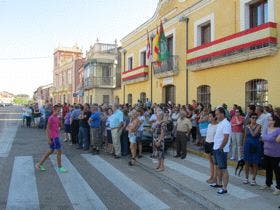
<point>204,95</point>
<point>256,92</point>
<point>258,13</point>
<point>143,58</point>
<point>169,41</point>
<point>129,63</point>
<point>106,99</point>
<point>206,33</point>
<point>204,30</point>
<point>106,70</point>
<point>129,99</point>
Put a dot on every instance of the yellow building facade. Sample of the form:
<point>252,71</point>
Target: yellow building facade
<point>223,51</point>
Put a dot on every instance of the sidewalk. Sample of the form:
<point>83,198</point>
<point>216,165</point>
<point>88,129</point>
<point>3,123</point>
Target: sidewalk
<point>199,151</point>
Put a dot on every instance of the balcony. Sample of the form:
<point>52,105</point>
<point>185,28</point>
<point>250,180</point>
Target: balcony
<point>166,68</point>
<point>138,74</point>
<point>246,45</point>
<point>99,82</point>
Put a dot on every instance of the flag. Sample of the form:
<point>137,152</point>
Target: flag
<point>148,47</point>
<point>156,48</point>
<point>163,49</point>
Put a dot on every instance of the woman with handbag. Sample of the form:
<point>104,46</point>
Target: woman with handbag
<point>252,148</point>
<point>159,131</point>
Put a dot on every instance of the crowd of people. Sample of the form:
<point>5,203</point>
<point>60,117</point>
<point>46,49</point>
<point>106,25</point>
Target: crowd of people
<point>253,136</point>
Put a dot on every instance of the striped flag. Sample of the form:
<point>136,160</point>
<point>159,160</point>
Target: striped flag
<point>156,49</point>
<point>148,47</point>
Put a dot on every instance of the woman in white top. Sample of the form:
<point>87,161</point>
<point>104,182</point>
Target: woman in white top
<point>209,143</point>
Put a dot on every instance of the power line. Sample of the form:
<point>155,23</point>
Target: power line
<point>25,58</point>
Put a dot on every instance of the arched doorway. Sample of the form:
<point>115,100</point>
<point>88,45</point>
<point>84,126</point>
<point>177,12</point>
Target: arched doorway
<point>169,93</point>
<point>143,97</point>
<point>129,99</point>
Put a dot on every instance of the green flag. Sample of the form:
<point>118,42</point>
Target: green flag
<point>163,49</point>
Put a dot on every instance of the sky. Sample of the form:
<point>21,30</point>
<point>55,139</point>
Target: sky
<point>30,30</point>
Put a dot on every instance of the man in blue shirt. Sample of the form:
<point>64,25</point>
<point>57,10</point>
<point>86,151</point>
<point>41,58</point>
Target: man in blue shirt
<point>95,130</point>
<point>74,122</point>
<point>116,123</point>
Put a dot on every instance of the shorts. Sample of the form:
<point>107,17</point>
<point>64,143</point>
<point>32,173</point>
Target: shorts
<point>220,159</point>
<point>208,148</point>
<point>132,138</point>
<point>55,144</point>
<point>139,135</point>
<point>67,128</point>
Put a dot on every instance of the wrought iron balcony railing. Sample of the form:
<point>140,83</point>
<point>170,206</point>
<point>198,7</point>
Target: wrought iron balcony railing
<point>166,68</point>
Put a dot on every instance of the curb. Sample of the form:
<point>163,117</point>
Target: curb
<point>230,162</point>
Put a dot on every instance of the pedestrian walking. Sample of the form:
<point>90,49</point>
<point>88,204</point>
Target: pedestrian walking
<point>53,141</point>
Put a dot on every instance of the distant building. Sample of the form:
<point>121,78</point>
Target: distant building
<point>43,94</point>
<point>78,93</point>
<point>100,72</point>
<point>64,73</point>
<point>6,97</point>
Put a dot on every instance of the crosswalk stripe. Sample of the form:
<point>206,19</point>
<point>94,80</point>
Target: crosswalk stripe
<point>233,190</point>
<point>23,192</point>
<point>6,139</point>
<point>81,195</point>
<point>141,197</point>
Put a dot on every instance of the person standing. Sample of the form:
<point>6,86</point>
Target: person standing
<point>271,139</point>
<point>237,122</point>
<point>53,140</point>
<point>183,128</point>
<point>124,135</point>
<point>208,146</point>
<point>139,132</point>
<point>95,130</point>
<point>252,148</point>
<point>67,127</point>
<point>221,149</point>
<point>28,116</point>
<point>83,135</point>
<point>74,122</point>
<point>116,124</point>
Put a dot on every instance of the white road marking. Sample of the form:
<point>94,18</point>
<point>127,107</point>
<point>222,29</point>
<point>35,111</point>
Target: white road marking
<point>137,194</point>
<point>7,138</point>
<point>201,177</point>
<point>23,192</point>
<point>77,189</point>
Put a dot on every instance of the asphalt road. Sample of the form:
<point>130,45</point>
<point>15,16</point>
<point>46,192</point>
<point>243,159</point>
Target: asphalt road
<point>102,182</point>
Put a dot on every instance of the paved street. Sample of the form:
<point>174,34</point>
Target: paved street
<point>101,182</point>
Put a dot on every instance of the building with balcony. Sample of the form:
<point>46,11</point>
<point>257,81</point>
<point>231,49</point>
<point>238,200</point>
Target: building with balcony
<point>78,93</point>
<point>100,70</point>
<point>64,73</point>
<point>218,54</point>
<point>233,52</point>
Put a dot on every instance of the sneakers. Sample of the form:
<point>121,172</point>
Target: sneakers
<point>222,191</point>
<point>232,158</point>
<point>62,170</point>
<point>215,185</point>
<point>276,192</point>
<point>40,167</point>
<point>253,183</point>
<point>245,181</point>
<point>265,187</point>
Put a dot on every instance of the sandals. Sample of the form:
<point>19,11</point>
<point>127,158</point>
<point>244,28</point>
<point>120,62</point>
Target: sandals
<point>130,163</point>
<point>245,181</point>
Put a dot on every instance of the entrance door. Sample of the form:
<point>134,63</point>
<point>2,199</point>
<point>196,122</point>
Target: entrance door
<point>169,93</point>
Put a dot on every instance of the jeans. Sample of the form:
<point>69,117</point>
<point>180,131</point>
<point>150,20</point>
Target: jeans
<point>236,143</point>
<point>83,137</point>
<point>74,131</point>
<point>28,121</point>
<point>124,143</point>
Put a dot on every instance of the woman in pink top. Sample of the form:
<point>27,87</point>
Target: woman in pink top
<point>237,122</point>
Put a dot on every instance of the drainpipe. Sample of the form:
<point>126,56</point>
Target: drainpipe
<point>186,20</point>
<point>124,63</point>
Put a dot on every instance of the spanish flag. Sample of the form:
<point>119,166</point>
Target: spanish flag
<point>156,48</point>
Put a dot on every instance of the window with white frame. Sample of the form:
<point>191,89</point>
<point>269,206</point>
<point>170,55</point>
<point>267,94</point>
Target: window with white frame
<point>255,12</point>
<point>129,63</point>
<point>143,58</point>
<point>204,30</point>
